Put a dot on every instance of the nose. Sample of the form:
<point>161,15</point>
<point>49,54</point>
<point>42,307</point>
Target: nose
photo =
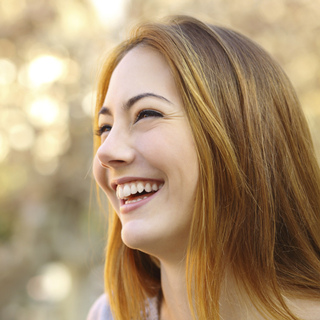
<point>116,150</point>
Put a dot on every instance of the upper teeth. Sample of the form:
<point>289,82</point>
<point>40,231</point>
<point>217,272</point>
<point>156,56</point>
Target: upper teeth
<point>127,189</point>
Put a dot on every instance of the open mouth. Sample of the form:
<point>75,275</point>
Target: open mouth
<point>137,191</point>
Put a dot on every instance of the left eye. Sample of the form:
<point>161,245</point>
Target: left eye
<point>147,114</point>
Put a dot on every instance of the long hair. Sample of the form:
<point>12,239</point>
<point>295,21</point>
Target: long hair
<point>257,207</point>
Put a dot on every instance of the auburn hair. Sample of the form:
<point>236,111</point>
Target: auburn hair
<point>257,208</point>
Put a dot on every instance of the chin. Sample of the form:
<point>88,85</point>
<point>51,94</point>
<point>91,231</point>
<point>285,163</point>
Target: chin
<point>133,237</point>
<point>138,237</point>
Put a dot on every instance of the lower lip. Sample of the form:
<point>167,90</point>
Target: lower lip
<point>126,208</point>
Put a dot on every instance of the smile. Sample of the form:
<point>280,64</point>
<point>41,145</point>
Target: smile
<point>136,191</point>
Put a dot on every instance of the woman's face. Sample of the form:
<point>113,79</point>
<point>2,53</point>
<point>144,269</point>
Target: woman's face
<point>147,163</point>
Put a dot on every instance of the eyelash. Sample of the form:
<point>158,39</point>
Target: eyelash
<point>102,129</point>
<point>141,115</point>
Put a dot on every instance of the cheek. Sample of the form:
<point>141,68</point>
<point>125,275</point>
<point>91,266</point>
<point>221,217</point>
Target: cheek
<point>170,147</point>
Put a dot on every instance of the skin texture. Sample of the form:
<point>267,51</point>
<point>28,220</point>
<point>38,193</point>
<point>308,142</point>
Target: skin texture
<point>155,145</point>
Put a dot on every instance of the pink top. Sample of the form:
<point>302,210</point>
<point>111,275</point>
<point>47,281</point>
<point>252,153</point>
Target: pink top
<point>101,310</point>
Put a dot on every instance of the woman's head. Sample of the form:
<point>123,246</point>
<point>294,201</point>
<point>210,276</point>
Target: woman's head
<point>148,153</point>
<point>257,197</point>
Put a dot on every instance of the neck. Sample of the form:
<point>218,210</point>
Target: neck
<point>234,304</point>
<point>174,304</point>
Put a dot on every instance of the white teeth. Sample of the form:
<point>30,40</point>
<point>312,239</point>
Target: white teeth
<point>127,189</point>
<point>133,189</point>
<point>132,201</point>
<point>120,195</point>
<point>135,200</point>
<point>140,187</point>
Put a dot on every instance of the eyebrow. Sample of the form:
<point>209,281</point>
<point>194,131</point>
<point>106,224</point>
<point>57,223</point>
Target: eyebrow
<point>106,111</point>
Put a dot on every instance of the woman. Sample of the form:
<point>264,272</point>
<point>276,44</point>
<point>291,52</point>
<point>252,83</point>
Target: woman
<point>208,163</point>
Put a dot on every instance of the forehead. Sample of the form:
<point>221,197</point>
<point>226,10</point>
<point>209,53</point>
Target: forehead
<point>141,70</point>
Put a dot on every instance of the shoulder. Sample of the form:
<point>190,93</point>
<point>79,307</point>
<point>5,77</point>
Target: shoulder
<point>100,309</point>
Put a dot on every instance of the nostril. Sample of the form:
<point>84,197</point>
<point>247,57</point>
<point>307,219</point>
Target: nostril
<point>115,163</point>
<point>102,164</point>
<point>111,163</point>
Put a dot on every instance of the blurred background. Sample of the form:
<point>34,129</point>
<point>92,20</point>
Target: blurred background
<point>52,233</point>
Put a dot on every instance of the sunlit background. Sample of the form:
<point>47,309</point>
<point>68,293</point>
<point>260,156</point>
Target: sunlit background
<point>52,233</point>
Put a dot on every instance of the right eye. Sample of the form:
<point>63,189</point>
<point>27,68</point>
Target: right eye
<point>103,129</point>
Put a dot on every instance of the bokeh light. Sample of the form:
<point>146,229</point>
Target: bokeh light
<point>52,285</point>
<point>8,71</point>
<point>110,12</point>
<point>73,18</point>
<point>88,103</point>
<point>46,166</point>
<point>45,69</point>
<point>46,111</point>
<point>51,143</point>
<point>21,137</point>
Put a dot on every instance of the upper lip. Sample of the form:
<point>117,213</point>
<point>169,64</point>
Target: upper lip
<point>115,182</point>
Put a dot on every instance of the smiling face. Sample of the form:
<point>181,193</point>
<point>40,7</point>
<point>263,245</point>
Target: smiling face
<point>147,163</point>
